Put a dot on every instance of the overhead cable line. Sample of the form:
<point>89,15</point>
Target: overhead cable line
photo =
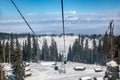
<point>62,8</point>
<point>64,51</point>
<point>24,18</point>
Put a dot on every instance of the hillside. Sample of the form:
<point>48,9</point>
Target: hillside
<point>69,40</point>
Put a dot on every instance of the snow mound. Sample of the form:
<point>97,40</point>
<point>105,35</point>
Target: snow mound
<point>27,68</point>
<point>86,78</point>
<point>112,63</point>
<point>79,68</point>
<point>47,63</point>
<point>28,73</point>
<point>98,69</point>
<point>7,66</point>
<point>98,78</point>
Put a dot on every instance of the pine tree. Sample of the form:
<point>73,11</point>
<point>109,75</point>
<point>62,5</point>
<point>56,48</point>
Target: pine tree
<point>101,56</point>
<point>111,38</point>
<point>79,38</point>
<point>2,76</point>
<point>110,53</point>
<point>106,44</point>
<point>23,51</point>
<point>53,50</point>
<point>117,48</point>
<point>94,59</point>
<point>87,54</point>
<point>4,47</point>
<point>45,51</point>
<point>86,44</point>
<point>76,49</point>
<point>1,52</point>
<point>38,51</point>
<point>70,55</point>
<point>12,51</point>
<point>17,65</point>
<point>34,49</point>
<point>29,51</point>
<point>7,51</point>
<point>82,41</point>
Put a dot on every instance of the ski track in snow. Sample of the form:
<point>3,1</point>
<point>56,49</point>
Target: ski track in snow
<point>44,74</point>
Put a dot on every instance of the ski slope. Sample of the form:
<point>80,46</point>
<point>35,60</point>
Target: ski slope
<point>45,71</point>
<point>69,40</point>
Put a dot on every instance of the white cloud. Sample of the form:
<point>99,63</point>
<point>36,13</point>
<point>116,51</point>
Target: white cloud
<point>65,12</point>
<point>74,21</point>
<point>70,12</point>
<point>32,14</point>
<point>87,16</point>
<point>71,17</point>
<point>11,21</point>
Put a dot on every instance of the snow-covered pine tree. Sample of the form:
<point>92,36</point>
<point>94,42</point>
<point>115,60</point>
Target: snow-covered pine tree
<point>76,51</point>
<point>112,71</point>
<point>45,51</point>
<point>87,53</point>
<point>101,56</point>
<point>3,47</point>
<point>34,49</point>
<point>12,51</point>
<point>24,52</point>
<point>38,51</point>
<point>7,51</point>
<point>1,61</point>
<point>18,68</point>
<point>82,41</point>
<point>29,51</point>
<point>70,55</point>
<point>94,59</point>
<point>53,50</point>
<point>117,48</point>
<point>25,49</point>
<point>1,54</point>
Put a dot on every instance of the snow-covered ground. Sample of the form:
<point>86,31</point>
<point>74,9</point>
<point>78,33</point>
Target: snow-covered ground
<point>59,40</point>
<point>45,71</point>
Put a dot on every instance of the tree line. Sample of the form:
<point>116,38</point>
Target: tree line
<point>11,53</point>
<point>108,48</point>
<point>80,51</point>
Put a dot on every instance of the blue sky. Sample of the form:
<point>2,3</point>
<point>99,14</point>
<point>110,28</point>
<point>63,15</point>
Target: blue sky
<point>44,16</point>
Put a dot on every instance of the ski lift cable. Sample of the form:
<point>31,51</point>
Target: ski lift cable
<point>24,18</point>
<point>63,24</point>
<point>64,57</point>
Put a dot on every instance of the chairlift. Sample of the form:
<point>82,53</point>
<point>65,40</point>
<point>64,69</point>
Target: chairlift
<point>56,68</point>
